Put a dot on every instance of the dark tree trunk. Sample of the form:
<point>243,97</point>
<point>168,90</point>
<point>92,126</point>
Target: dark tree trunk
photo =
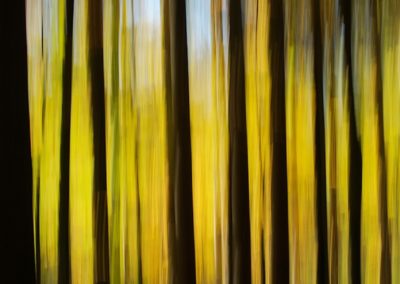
<point>239,226</point>
<point>280,226</point>
<point>179,143</point>
<point>101,269</point>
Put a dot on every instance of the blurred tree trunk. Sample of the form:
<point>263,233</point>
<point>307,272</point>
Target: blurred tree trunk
<point>179,144</point>
<point>238,167</point>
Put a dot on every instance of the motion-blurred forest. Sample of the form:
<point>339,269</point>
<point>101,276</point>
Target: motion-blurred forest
<point>201,141</point>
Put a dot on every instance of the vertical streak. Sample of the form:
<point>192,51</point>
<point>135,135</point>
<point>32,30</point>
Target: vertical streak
<point>222,143</point>
<point>53,56</point>
<point>45,36</point>
<point>121,141</point>
<point>258,99</point>
<point>35,85</point>
<point>112,109</point>
<point>355,169</point>
<point>336,112</point>
<point>180,157</point>
<point>365,90</point>
<point>300,126</point>
<point>64,244</point>
<point>239,219</point>
<point>81,154</point>
<point>209,138</point>
<point>129,249</point>
<point>152,159</point>
<point>279,204</point>
<point>390,71</point>
<point>98,115</point>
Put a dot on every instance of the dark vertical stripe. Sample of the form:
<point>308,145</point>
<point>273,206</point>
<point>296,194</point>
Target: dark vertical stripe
<point>238,167</point>
<point>355,157</point>
<point>320,150</point>
<point>180,146</point>
<point>17,245</point>
<point>63,236</point>
<point>170,139</point>
<point>95,33</point>
<point>280,226</point>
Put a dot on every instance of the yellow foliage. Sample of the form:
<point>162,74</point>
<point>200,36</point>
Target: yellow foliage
<point>365,92</point>
<point>45,46</point>
<point>336,111</point>
<point>121,142</point>
<point>300,137</point>
<point>209,138</point>
<point>390,68</point>
<point>258,118</point>
<point>81,154</point>
<point>136,140</point>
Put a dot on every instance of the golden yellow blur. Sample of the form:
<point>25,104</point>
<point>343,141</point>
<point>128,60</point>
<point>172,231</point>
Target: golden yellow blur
<point>209,137</point>
<point>45,46</point>
<point>390,68</point>
<point>139,200</point>
<point>365,68</point>
<point>258,114</point>
<point>121,141</point>
<point>137,166</point>
<point>81,154</point>
<point>35,85</point>
<point>300,137</point>
<point>152,140</point>
<point>336,117</point>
